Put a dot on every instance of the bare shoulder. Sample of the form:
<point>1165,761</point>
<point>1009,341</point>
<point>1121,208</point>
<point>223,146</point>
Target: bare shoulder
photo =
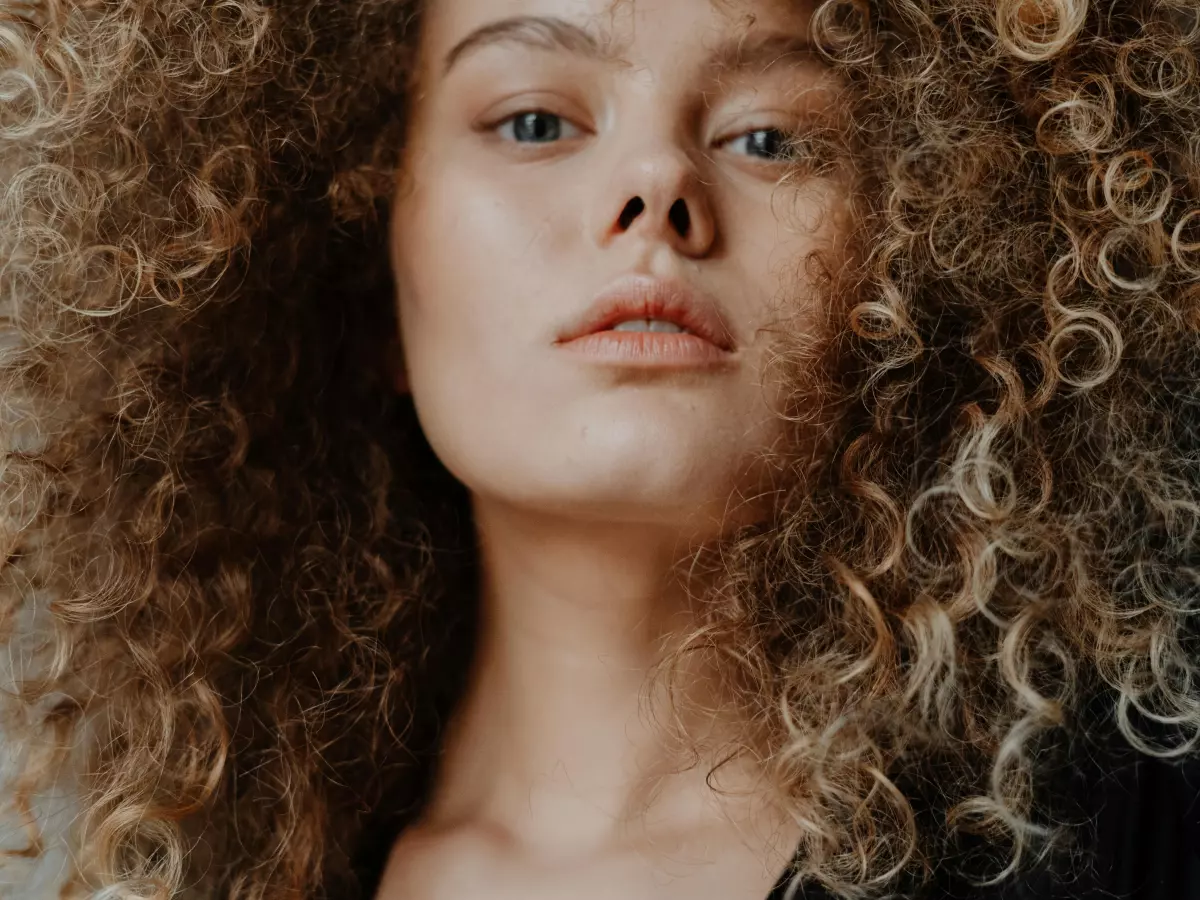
<point>427,863</point>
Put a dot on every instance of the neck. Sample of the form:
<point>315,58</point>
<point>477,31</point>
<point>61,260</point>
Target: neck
<point>557,742</point>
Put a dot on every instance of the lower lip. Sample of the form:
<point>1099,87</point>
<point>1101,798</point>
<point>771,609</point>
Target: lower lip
<point>651,349</point>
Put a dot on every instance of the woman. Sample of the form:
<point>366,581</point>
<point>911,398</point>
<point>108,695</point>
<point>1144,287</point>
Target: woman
<point>601,448</point>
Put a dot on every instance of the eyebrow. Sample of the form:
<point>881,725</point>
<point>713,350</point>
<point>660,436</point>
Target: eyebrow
<point>736,54</point>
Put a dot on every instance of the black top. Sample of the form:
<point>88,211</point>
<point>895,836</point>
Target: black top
<point>1144,842</point>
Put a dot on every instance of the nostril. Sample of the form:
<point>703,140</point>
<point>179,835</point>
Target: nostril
<point>680,218</point>
<point>631,211</point>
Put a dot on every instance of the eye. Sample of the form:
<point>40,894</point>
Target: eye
<point>535,126</point>
<point>771,144</point>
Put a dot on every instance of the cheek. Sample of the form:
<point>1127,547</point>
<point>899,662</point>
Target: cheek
<point>448,263</point>
<point>475,262</point>
<point>787,256</point>
<point>469,273</point>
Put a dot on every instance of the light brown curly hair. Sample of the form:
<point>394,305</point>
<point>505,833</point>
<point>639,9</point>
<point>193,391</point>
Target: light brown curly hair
<point>238,587</point>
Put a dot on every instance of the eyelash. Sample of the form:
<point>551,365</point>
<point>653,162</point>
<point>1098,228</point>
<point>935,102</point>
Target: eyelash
<point>512,119</point>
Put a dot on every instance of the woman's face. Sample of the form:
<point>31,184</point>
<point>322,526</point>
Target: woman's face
<point>559,149</point>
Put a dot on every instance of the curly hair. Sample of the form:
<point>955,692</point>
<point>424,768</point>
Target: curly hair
<point>238,587</point>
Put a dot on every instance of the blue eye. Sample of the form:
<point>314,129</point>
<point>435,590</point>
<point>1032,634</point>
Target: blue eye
<point>536,127</point>
<point>766,143</point>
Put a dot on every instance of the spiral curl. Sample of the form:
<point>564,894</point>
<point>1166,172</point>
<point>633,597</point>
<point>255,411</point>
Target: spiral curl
<point>232,562</point>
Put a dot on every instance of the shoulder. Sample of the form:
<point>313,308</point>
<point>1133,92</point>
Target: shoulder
<point>1138,837</point>
<point>434,863</point>
<point>1148,830</point>
<point>1133,834</point>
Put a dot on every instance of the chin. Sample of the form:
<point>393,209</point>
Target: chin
<point>685,501</point>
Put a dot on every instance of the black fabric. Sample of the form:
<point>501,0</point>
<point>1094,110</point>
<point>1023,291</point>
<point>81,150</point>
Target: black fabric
<point>1142,843</point>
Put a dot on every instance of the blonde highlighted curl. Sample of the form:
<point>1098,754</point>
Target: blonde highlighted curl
<point>238,587</point>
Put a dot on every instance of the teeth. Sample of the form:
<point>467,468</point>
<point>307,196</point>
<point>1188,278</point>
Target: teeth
<point>650,325</point>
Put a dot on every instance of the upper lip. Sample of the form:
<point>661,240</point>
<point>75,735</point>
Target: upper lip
<point>646,297</point>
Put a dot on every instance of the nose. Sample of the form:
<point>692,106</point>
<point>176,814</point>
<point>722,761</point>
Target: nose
<point>657,194</point>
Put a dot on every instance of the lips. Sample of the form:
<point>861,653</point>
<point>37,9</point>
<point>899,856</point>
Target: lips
<point>646,297</point>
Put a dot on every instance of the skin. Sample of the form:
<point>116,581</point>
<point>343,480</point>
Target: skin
<point>589,481</point>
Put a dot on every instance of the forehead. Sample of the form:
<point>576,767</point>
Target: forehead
<point>639,32</point>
